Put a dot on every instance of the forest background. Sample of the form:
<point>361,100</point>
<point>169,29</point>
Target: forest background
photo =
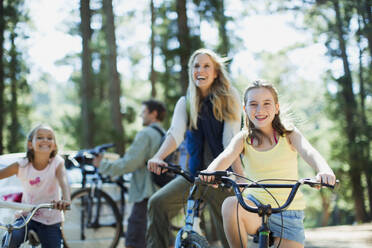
<point>123,52</point>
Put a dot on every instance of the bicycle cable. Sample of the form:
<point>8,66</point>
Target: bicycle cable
<point>281,214</point>
<point>237,220</point>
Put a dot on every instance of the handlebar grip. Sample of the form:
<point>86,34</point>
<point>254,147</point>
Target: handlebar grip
<point>331,186</point>
<point>215,173</point>
<point>313,183</point>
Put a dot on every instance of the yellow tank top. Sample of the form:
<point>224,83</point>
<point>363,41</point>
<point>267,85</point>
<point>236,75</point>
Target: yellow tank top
<point>278,162</point>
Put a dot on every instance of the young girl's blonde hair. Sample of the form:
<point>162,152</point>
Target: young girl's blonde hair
<point>30,154</point>
<point>255,133</point>
<point>224,100</point>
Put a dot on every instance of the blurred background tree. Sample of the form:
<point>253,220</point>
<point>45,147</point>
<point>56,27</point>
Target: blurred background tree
<point>132,52</point>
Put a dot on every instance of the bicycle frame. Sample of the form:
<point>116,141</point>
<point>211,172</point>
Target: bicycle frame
<point>263,210</point>
<point>96,197</point>
<point>20,206</point>
<point>192,211</point>
<point>82,160</point>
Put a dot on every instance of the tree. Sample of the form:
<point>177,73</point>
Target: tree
<point>184,42</point>
<point>214,10</point>
<point>113,77</point>
<point>350,111</point>
<point>13,77</point>
<point>14,126</point>
<point>176,40</point>
<point>86,89</point>
<point>152,50</point>
<point>2,84</point>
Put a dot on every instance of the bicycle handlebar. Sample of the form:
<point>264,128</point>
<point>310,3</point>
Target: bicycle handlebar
<point>25,207</point>
<point>88,154</point>
<point>177,169</point>
<point>222,178</point>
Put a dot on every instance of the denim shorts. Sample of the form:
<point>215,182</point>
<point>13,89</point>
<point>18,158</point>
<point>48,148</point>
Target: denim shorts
<point>293,226</point>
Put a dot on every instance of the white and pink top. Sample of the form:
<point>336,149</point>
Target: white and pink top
<point>41,186</point>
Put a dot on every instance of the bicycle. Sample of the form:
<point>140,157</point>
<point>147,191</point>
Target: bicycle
<point>9,228</point>
<point>187,237</point>
<point>264,211</point>
<point>95,219</point>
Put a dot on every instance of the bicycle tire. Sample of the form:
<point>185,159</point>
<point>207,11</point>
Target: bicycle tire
<point>194,240</point>
<point>84,207</point>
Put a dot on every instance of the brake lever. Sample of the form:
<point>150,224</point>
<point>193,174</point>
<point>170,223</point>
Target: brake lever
<point>314,183</point>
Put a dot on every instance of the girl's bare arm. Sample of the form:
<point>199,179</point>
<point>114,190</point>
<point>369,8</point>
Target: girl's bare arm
<point>9,171</point>
<point>229,156</point>
<point>65,188</point>
<point>312,157</point>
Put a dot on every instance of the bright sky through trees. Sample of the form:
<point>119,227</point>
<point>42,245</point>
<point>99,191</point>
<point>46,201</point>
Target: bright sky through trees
<point>49,41</point>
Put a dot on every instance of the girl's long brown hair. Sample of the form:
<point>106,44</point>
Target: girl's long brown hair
<point>255,133</point>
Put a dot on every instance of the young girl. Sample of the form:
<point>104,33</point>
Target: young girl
<point>269,150</point>
<point>42,173</point>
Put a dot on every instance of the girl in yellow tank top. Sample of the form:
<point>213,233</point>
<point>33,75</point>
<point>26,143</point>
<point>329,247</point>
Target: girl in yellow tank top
<point>269,150</point>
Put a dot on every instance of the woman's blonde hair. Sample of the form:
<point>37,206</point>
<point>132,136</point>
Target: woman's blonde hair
<point>224,100</point>
<point>30,154</point>
<point>277,124</point>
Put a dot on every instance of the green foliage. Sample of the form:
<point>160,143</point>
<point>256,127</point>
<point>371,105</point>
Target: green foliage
<point>16,88</point>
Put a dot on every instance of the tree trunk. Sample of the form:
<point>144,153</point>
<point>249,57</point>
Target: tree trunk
<point>114,80</point>
<point>224,45</point>
<point>185,43</point>
<point>368,24</point>
<point>152,44</point>
<point>14,125</point>
<point>2,84</point>
<point>351,125</point>
<point>364,122</point>
<point>325,209</point>
<point>87,78</point>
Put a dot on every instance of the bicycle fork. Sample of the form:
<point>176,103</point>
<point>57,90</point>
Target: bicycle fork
<point>264,231</point>
<point>192,211</point>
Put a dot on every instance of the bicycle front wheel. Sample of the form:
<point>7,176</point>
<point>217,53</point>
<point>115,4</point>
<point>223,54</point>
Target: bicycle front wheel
<point>93,221</point>
<point>194,240</point>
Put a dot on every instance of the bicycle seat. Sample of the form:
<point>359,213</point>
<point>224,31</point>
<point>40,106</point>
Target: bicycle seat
<point>33,239</point>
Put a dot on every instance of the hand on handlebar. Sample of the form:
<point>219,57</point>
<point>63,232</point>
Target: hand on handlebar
<point>203,175</point>
<point>61,204</point>
<point>326,178</point>
<point>156,165</point>
<point>206,178</point>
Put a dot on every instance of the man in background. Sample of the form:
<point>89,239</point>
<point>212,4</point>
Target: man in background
<point>144,146</point>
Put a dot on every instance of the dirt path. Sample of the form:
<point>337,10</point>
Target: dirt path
<point>355,236</point>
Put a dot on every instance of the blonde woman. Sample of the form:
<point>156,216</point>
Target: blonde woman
<point>209,116</point>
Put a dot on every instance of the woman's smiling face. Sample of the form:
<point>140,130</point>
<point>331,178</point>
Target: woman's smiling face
<point>261,107</point>
<point>204,72</point>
